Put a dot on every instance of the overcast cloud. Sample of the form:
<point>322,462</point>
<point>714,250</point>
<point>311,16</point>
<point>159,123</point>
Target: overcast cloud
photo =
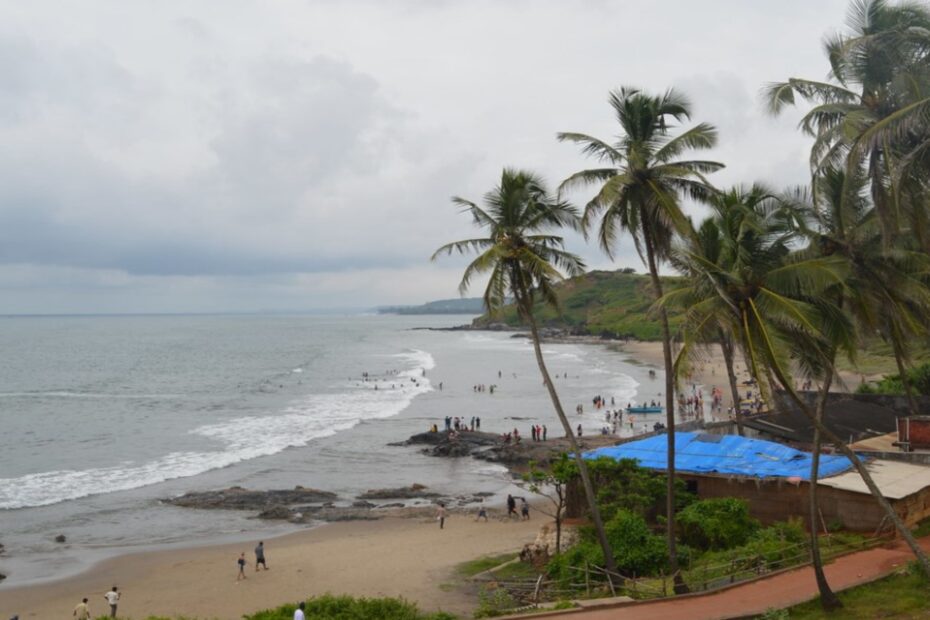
<point>238,156</point>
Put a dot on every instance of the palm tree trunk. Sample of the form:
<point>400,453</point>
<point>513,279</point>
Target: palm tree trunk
<point>828,600</point>
<point>525,303</point>
<point>905,379</point>
<point>726,345</point>
<point>680,586</point>
<point>840,445</point>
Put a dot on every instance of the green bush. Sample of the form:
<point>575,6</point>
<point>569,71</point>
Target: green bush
<point>496,602</point>
<point>891,384</point>
<point>636,549</point>
<point>331,607</point>
<point>624,485</point>
<point>713,524</point>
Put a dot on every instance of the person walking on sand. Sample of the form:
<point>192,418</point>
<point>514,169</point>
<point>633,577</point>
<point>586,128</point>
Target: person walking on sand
<point>511,506</point>
<point>260,556</point>
<point>482,513</point>
<point>112,600</point>
<point>524,509</point>
<point>241,562</point>
<point>81,612</point>
<point>441,515</point>
<point>299,612</point>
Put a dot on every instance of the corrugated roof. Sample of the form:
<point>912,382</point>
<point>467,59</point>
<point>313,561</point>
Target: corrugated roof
<point>894,478</point>
<point>724,454</point>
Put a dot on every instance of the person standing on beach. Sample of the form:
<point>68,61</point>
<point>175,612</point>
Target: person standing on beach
<point>511,506</point>
<point>260,556</point>
<point>112,600</point>
<point>545,432</point>
<point>524,509</point>
<point>441,515</point>
<point>241,562</point>
<point>299,612</point>
<point>81,612</point>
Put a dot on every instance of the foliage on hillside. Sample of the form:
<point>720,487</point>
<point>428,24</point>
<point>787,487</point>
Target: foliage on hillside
<point>892,384</point>
<point>611,303</point>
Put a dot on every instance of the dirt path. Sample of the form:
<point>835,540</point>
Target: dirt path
<point>782,590</point>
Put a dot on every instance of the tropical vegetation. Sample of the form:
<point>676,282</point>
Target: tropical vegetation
<point>523,260</point>
<point>791,281</point>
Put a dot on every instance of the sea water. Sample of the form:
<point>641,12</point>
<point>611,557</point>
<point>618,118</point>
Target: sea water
<point>102,417</point>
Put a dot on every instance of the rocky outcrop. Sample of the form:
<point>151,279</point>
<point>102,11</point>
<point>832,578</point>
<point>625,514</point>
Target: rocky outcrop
<point>493,448</point>
<point>238,498</point>
<point>414,491</point>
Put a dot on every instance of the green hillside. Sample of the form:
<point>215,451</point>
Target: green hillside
<point>608,303</point>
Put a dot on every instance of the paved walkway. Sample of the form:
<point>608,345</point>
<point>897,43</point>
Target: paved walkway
<point>782,590</point>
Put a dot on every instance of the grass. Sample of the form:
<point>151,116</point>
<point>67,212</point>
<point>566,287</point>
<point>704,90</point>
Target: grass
<point>899,596</point>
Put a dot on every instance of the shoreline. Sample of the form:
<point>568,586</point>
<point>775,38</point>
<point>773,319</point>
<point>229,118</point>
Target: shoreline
<point>394,556</point>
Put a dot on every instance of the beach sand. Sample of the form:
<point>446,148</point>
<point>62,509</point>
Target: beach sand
<point>711,371</point>
<point>408,557</point>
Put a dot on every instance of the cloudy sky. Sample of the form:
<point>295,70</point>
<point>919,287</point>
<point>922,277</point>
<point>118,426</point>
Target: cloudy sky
<point>242,156</point>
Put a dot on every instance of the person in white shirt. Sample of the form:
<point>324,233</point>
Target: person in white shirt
<point>299,614</point>
<point>112,598</point>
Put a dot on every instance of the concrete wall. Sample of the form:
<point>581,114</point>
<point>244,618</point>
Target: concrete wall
<point>895,402</point>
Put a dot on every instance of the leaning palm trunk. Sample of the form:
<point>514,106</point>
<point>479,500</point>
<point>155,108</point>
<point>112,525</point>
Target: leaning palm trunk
<point>726,345</point>
<point>905,379</point>
<point>680,586</point>
<point>840,445</point>
<point>828,600</point>
<point>526,307</point>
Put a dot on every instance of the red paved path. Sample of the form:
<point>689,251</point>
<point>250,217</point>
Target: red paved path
<point>781,590</point>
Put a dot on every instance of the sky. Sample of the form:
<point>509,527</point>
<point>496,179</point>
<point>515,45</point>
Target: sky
<point>234,156</point>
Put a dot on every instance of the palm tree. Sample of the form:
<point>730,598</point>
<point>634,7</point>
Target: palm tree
<point>524,261</point>
<point>719,240</point>
<point>873,113</point>
<point>781,306</point>
<point>641,184</point>
<point>747,235</point>
<point>884,290</point>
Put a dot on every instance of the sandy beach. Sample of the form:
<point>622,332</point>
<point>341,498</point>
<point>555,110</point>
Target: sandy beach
<point>408,557</point>
<point>711,371</point>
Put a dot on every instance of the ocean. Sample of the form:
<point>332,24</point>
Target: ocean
<point>103,416</point>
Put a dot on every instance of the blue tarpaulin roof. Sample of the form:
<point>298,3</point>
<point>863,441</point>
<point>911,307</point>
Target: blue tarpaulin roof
<point>724,454</point>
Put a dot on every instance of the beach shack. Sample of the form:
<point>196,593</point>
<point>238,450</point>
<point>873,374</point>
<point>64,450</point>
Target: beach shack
<point>774,478</point>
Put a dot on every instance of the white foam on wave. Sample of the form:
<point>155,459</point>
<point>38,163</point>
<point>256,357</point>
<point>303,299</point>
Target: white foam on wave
<point>238,439</point>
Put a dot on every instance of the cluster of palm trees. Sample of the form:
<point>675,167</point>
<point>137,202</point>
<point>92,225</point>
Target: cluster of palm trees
<point>790,280</point>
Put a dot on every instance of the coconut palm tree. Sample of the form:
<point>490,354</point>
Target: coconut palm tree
<point>640,188</point>
<point>719,240</point>
<point>873,112</point>
<point>781,304</point>
<point>524,261</point>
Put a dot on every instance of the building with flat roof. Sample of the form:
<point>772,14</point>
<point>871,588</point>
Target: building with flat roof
<point>774,478</point>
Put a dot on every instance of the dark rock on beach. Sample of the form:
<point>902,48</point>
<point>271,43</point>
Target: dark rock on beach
<point>60,538</point>
<point>414,491</point>
<point>276,512</point>
<point>238,498</point>
<point>492,447</point>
